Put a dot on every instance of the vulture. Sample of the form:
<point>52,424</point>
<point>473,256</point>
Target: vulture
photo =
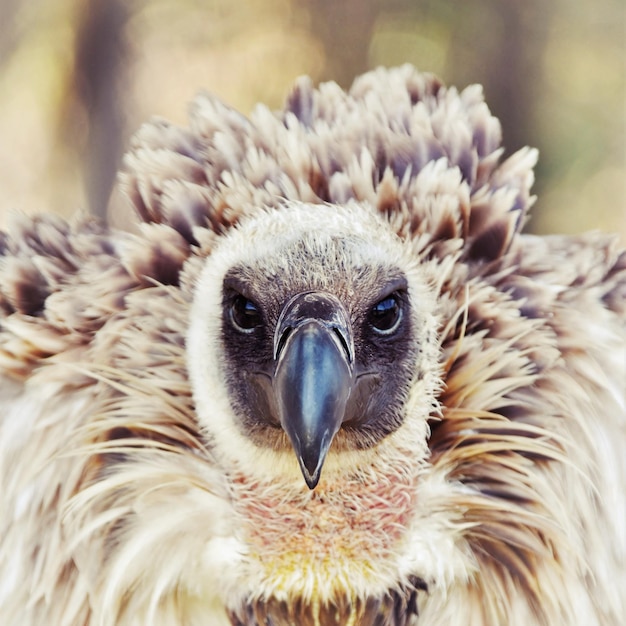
<point>326,381</point>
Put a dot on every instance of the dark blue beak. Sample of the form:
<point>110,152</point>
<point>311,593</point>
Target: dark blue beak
<point>314,376</point>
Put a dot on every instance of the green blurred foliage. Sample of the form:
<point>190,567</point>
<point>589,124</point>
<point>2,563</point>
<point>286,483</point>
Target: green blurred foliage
<point>77,77</point>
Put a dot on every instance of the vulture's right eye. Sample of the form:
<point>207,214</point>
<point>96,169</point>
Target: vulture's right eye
<point>244,314</point>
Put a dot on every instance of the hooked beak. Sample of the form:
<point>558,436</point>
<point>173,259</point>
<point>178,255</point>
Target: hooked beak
<point>314,376</point>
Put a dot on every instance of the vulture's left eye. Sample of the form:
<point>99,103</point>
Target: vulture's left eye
<point>385,316</point>
<point>245,314</point>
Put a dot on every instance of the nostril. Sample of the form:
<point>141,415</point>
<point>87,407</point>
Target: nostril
<point>343,341</point>
<point>282,341</point>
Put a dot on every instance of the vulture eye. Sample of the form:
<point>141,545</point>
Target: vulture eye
<point>244,314</point>
<point>385,316</point>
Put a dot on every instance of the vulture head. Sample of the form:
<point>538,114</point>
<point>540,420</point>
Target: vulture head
<point>315,327</point>
<point>328,381</point>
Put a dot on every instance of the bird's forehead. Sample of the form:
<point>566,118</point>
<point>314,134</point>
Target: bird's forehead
<point>339,264</point>
<point>317,252</point>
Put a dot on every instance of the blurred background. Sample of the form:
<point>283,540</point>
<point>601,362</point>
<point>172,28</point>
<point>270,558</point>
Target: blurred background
<point>77,77</point>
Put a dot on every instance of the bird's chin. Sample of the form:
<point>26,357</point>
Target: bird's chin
<point>339,438</point>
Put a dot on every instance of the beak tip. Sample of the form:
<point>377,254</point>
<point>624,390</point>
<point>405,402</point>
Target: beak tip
<point>311,458</point>
<point>310,466</point>
<point>310,479</point>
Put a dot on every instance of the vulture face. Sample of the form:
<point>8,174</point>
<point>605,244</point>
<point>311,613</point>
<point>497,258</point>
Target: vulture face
<point>316,329</point>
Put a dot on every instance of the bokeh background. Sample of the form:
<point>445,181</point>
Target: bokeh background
<point>77,77</point>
